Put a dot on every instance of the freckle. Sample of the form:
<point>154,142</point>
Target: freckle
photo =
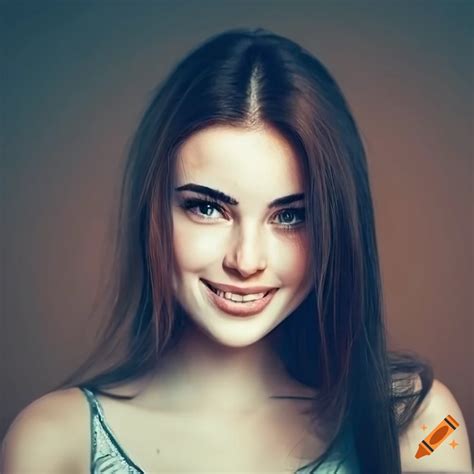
<point>157,451</point>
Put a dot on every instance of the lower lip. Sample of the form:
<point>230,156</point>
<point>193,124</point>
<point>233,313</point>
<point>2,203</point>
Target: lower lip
<point>240,309</point>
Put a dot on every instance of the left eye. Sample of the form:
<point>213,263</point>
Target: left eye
<point>288,215</point>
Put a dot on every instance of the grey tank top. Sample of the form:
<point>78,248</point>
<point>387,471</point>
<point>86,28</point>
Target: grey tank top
<point>107,456</point>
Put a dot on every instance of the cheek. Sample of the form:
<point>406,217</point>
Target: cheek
<point>291,260</point>
<point>194,246</point>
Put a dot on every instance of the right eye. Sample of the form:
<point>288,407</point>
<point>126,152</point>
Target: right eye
<point>202,206</point>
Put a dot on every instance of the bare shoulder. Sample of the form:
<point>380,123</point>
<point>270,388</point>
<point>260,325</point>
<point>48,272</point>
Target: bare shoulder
<point>452,455</point>
<point>48,435</point>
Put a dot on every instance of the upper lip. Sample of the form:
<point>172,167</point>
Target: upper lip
<point>235,289</point>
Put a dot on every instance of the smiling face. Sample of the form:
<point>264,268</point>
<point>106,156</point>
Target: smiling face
<point>242,242</point>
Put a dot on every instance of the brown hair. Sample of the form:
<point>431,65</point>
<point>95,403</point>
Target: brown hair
<point>335,340</point>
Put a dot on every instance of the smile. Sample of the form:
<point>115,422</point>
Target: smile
<point>237,297</point>
<point>239,305</point>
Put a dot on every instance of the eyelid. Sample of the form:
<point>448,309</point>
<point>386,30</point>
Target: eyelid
<point>192,202</point>
<point>221,205</point>
<point>206,199</point>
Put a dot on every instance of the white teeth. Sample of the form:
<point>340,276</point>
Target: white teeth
<point>239,298</point>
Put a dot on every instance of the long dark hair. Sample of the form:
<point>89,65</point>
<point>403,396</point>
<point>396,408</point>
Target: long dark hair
<point>335,341</point>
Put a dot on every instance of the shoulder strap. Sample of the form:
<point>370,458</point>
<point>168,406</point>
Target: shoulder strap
<point>95,410</point>
<point>95,406</point>
<point>103,439</point>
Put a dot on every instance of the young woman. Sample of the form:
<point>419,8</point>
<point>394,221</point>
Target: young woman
<point>246,331</point>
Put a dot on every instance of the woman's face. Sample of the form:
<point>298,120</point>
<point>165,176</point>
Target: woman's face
<point>244,242</point>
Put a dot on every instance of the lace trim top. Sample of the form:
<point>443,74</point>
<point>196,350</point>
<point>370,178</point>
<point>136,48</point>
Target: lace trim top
<point>107,456</point>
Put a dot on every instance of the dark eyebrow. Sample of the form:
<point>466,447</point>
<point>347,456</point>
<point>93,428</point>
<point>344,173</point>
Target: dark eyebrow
<point>220,196</point>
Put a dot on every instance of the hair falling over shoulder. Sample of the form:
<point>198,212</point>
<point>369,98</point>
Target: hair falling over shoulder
<point>335,340</point>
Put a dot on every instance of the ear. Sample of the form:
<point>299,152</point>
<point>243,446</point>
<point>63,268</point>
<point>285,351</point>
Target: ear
<point>454,453</point>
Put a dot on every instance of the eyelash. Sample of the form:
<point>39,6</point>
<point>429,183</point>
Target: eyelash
<point>192,203</point>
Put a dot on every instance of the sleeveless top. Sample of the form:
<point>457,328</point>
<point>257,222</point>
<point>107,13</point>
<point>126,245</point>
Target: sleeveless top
<point>107,456</point>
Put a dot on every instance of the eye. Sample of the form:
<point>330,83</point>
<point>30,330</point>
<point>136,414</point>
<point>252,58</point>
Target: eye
<point>289,215</point>
<point>201,207</point>
<point>291,218</point>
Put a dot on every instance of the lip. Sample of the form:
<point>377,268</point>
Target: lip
<point>240,309</point>
<point>235,289</point>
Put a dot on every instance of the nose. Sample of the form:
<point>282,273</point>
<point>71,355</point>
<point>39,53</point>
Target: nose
<point>246,254</point>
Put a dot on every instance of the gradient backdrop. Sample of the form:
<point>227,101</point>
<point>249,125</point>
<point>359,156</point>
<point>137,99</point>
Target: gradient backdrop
<point>77,76</point>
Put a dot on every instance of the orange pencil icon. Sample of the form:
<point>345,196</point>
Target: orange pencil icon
<point>436,437</point>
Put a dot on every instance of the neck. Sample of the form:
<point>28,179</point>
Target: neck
<point>202,374</point>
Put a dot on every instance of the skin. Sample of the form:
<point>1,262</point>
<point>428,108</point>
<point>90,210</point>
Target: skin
<point>212,393</point>
<point>225,362</point>
<point>209,397</point>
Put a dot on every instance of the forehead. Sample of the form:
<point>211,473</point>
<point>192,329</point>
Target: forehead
<point>237,158</point>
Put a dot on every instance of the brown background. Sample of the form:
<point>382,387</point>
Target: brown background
<point>77,76</point>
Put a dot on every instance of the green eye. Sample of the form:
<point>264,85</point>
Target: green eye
<point>290,215</point>
<point>290,219</point>
<point>201,204</point>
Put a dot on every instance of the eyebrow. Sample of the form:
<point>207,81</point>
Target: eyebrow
<point>220,196</point>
